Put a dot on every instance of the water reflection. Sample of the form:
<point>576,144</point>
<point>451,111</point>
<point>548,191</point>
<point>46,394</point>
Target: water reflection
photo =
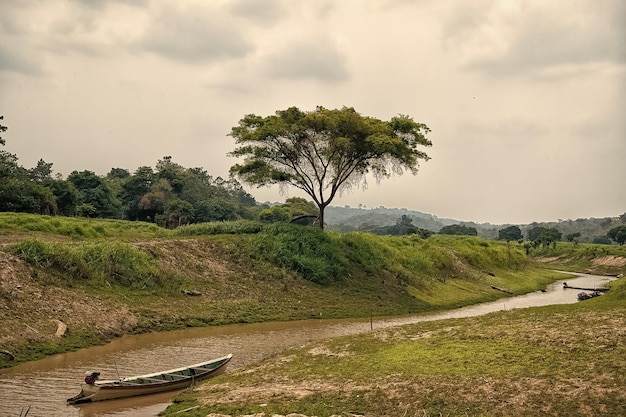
<point>45,385</point>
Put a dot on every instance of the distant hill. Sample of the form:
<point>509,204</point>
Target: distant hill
<point>346,219</point>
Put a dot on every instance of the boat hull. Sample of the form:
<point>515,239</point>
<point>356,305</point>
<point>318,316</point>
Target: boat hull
<point>180,378</point>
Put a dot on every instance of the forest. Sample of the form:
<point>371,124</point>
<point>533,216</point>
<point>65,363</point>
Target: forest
<point>169,194</point>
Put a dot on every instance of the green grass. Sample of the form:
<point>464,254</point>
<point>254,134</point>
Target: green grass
<point>78,227</point>
<point>250,272</point>
<point>545,361</point>
<point>579,257</point>
<point>307,251</point>
<point>555,361</point>
<point>221,228</point>
<point>74,340</point>
<point>93,263</point>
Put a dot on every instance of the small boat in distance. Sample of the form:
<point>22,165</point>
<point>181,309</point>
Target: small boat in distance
<point>174,379</point>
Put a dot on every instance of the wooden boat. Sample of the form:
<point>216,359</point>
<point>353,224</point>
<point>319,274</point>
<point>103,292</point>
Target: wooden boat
<point>174,379</point>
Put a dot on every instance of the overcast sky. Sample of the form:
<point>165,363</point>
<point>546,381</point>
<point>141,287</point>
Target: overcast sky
<point>526,99</point>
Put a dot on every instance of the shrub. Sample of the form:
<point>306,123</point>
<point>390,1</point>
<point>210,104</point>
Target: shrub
<point>306,250</point>
<point>118,263</point>
<point>220,228</point>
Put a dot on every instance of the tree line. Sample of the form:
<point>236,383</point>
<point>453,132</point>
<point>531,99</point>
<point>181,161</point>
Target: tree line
<point>547,236</point>
<point>168,194</point>
<point>537,235</point>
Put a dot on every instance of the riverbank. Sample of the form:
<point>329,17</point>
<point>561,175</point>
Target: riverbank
<point>567,360</point>
<point>68,283</point>
<point>104,279</point>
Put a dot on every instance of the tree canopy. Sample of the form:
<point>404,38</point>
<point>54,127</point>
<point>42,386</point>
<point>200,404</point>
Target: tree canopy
<point>170,196</point>
<point>458,229</point>
<point>618,234</point>
<point>545,236</point>
<point>325,152</point>
<point>404,226</point>
<point>510,233</point>
<point>571,237</point>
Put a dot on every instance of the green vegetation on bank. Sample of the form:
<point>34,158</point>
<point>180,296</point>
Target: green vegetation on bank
<point>106,278</point>
<point>98,263</point>
<point>583,256</point>
<point>144,278</point>
<point>76,228</point>
<point>564,360</point>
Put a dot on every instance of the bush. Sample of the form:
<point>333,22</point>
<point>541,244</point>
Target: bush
<point>306,250</point>
<point>118,263</point>
<point>220,228</point>
<point>80,228</point>
<point>365,250</point>
<point>32,251</point>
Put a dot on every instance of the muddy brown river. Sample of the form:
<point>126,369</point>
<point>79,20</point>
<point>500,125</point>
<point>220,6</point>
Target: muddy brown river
<point>42,387</point>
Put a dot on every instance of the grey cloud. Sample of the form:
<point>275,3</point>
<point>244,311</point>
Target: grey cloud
<point>463,21</point>
<point>27,40</point>
<point>195,36</point>
<point>319,60</point>
<point>17,61</point>
<point>393,4</point>
<point>504,128</point>
<point>545,45</point>
<point>540,40</point>
<point>99,4</point>
<point>263,12</point>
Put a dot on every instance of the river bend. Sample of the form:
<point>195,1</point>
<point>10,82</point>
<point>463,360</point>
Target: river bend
<point>43,386</point>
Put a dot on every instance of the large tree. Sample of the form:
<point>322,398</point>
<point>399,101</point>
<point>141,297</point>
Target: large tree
<point>545,236</point>
<point>618,234</point>
<point>325,152</point>
<point>510,233</point>
<point>458,229</point>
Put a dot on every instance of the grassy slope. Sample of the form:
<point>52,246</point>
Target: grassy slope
<point>567,360</point>
<point>599,259</point>
<point>552,361</point>
<point>106,278</point>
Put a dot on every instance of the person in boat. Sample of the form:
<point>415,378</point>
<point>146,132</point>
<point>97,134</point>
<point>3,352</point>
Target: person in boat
<point>91,377</point>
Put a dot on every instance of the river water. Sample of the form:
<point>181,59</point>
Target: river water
<point>41,387</point>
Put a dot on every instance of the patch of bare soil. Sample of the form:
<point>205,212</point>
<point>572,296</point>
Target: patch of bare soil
<point>610,260</point>
<point>260,394</point>
<point>502,396</point>
<point>186,254</point>
<point>415,394</point>
<point>324,351</point>
<point>547,259</point>
<point>33,311</point>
